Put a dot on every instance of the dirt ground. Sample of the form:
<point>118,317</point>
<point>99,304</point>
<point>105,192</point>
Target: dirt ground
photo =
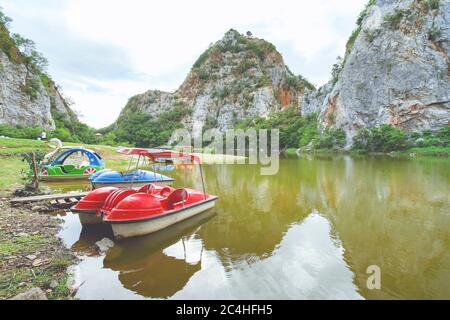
<point>31,254</point>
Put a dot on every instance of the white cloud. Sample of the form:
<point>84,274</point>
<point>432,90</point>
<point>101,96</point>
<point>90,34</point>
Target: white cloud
<point>152,44</point>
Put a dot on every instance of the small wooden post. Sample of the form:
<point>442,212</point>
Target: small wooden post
<point>35,172</point>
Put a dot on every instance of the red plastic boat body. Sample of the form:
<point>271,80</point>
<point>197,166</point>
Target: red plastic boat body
<point>149,209</point>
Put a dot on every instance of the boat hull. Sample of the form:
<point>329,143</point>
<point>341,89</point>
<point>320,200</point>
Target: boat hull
<point>127,185</point>
<point>89,218</point>
<point>62,178</point>
<point>133,229</point>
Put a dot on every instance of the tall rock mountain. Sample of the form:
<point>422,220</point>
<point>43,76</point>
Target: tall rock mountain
<point>27,96</point>
<point>396,70</point>
<point>236,78</point>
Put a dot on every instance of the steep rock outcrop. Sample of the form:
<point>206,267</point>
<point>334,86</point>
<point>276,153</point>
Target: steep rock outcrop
<point>236,78</point>
<point>396,72</point>
<point>27,96</point>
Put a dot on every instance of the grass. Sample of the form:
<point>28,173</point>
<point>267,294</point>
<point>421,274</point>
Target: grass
<point>11,172</point>
<point>431,151</point>
<point>21,279</point>
<point>14,146</point>
<point>23,244</point>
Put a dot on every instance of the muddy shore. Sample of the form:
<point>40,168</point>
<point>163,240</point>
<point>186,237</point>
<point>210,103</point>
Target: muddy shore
<point>31,253</point>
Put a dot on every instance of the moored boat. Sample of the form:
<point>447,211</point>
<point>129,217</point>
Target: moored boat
<point>135,179</point>
<point>151,208</point>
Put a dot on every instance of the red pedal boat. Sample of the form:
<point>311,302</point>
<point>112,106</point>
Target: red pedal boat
<point>153,207</point>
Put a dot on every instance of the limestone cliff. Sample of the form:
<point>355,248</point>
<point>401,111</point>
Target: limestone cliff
<point>27,96</point>
<point>396,70</point>
<point>237,77</point>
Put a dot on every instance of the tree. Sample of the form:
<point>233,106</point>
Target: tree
<point>337,69</point>
<point>4,19</point>
<point>249,34</point>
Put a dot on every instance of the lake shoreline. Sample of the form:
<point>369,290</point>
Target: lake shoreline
<point>31,253</point>
<point>437,152</point>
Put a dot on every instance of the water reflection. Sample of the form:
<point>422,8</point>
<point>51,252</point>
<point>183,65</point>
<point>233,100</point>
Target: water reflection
<point>311,231</point>
<point>147,269</point>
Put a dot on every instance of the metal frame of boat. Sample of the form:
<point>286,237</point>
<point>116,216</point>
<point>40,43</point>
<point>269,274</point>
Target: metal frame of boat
<point>135,179</point>
<point>152,208</point>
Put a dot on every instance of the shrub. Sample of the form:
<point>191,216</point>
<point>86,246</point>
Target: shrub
<point>434,33</point>
<point>431,4</point>
<point>330,138</point>
<point>337,69</point>
<point>20,131</point>
<point>143,130</point>
<point>364,13</point>
<point>308,132</point>
<point>393,19</point>
<point>203,74</point>
<point>202,58</point>
<point>352,39</point>
<point>380,139</point>
<point>428,138</point>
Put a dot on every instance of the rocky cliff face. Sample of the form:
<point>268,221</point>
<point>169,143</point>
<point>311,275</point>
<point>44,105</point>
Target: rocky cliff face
<point>396,70</point>
<point>236,78</point>
<point>27,97</point>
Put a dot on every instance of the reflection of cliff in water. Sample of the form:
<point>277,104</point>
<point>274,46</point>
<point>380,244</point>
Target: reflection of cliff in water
<point>145,267</point>
<point>393,214</point>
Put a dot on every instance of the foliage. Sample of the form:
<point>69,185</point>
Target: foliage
<point>203,74</point>
<point>308,130</point>
<point>383,138</point>
<point>20,131</point>
<point>290,124</point>
<point>431,4</point>
<point>143,130</point>
<point>330,138</point>
<point>202,58</point>
<point>245,65</point>
<point>28,157</point>
<point>434,33</point>
<point>337,69</point>
<point>71,130</point>
<point>352,39</point>
<point>392,20</point>
<point>365,12</point>
<point>428,138</point>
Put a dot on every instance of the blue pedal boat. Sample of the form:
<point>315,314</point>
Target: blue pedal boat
<point>135,179</point>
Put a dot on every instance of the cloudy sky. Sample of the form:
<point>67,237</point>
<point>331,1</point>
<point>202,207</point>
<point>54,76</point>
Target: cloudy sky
<point>101,52</point>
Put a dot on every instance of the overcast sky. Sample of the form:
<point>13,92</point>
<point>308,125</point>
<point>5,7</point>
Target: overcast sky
<point>102,52</point>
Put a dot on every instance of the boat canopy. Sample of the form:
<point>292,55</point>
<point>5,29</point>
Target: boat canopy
<point>94,158</point>
<point>155,154</point>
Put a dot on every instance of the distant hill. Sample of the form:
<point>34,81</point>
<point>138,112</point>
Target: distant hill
<point>237,77</point>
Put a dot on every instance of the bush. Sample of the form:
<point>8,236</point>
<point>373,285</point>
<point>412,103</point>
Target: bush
<point>143,130</point>
<point>295,130</point>
<point>428,138</point>
<point>381,139</point>
<point>20,132</point>
<point>393,20</point>
<point>330,139</point>
<point>202,58</point>
<point>431,4</point>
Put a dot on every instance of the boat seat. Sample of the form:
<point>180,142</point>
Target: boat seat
<point>175,198</point>
<point>147,188</point>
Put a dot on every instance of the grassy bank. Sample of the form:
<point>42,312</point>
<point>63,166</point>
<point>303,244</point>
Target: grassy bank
<point>414,152</point>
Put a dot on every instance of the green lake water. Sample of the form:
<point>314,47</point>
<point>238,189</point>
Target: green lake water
<point>309,232</point>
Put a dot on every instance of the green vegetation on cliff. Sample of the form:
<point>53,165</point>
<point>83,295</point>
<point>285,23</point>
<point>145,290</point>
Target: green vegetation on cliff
<point>143,130</point>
